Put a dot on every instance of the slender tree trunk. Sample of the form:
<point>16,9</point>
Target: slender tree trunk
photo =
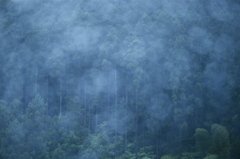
<point>143,140</point>
<point>108,100</point>
<point>180,138</point>
<point>85,102</point>
<point>126,136</point>
<point>196,116</point>
<point>89,116</point>
<point>96,118</point>
<point>157,145</point>
<point>61,87</point>
<point>36,83</point>
<point>168,143</point>
<point>25,100</point>
<point>60,97</point>
<point>115,92</point>
<point>47,94</point>
<point>115,107</point>
<point>46,111</point>
<point>136,135</point>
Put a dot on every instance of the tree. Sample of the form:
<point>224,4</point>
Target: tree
<point>202,140</point>
<point>59,153</point>
<point>220,141</point>
<point>35,128</point>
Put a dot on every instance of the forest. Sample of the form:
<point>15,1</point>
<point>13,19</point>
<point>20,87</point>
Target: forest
<point>119,79</point>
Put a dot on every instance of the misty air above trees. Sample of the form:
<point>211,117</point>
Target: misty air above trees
<point>100,79</point>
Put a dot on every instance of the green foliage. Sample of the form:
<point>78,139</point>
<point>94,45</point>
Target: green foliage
<point>71,144</point>
<point>190,155</point>
<point>202,140</point>
<point>59,153</point>
<point>220,141</point>
<point>147,152</point>
<point>168,50</point>
<point>100,145</point>
<point>168,157</point>
<point>209,156</point>
<point>16,109</point>
<point>144,152</point>
<point>4,115</point>
<point>36,108</point>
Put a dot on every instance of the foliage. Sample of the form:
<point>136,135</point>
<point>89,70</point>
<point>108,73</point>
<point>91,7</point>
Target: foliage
<point>211,157</point>
<point>119,79</point>
<point>203,140</point>
<point>168,157</point>
<point>190,155</point>
<point>221,143</point>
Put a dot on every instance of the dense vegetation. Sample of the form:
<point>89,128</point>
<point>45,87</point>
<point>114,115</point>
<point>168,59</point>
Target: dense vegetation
<point>134,79</point>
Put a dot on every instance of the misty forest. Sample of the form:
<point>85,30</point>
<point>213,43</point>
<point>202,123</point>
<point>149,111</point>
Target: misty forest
<point>119,79</point>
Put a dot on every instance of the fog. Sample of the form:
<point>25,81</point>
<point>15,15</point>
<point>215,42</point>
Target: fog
<point>102,79</point>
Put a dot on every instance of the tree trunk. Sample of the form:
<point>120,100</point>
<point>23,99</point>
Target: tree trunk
<point>180,138</point>
<point>47,94</point>
<point>136,135</point>
<point>115,107</point>
<point>126,137</point>
<point>85,102</point>
<point>60,98</point>
<point>36,83</point>
<point>157,146</point>
<point>89,116</point>
<point>108,100</point>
